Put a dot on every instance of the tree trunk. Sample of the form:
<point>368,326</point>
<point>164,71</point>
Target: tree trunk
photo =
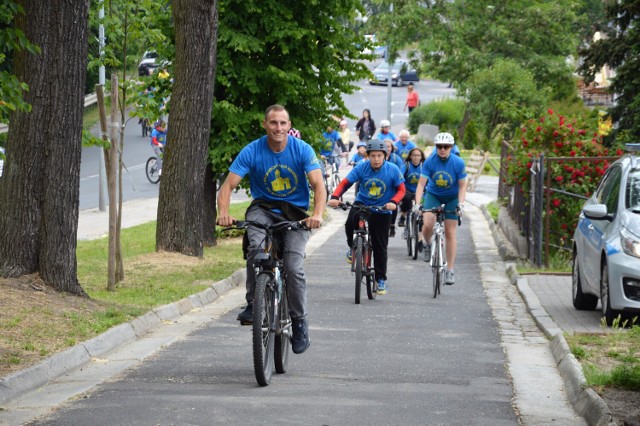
<point>463,125</point>
<point>39,198</point>
<point>209,215</point>
<point>181,202</point>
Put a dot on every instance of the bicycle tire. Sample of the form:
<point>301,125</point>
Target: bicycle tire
<point>358,258</point>
<point>283,339</point>
<point>263,336</point>
<point>436,268</point>
<point>151,170</point>
<point>336,180</point>
<point>415,228</point>
<point>408,231</point>
<point>372,284</point>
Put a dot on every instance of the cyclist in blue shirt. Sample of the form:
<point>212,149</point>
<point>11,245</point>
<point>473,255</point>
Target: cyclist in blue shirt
<point>278,166</point>
<point>394,158</point>
<point>411,171</point>
<point>446,183</point>
<point>380,184</point>
<point>360,155</point>
<point>404,145</point>
<point>331,148</point>
<point>385,131</point>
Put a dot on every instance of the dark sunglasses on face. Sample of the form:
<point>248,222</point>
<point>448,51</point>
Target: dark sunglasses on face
<point>443,146</point>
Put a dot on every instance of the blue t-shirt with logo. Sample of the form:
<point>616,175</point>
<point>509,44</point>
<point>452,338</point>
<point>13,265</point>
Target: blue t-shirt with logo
<point>376,188</point>
<point>385,136</point>
<point>357,158</point>
<point>411,175</point>
<point>403,150</point>
<point>443,176</point>
<point>329,143</point>
<point>280,176</point>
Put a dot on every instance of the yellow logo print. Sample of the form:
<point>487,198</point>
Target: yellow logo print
<point>441,181</point>
<point>374,190</point>
<point>280,183</point>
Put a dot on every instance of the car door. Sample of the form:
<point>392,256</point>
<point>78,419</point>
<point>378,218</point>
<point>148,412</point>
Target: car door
<point>608,194</point>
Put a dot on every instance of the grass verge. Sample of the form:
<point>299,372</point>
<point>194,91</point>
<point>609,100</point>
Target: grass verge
<point>36,321</point>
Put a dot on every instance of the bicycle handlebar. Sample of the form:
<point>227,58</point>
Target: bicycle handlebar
<point>285,224</point>
<point>362,207</point>
<point>440,209</point>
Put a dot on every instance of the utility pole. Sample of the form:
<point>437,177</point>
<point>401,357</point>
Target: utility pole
<point>102,173</point>
<point>387,58</point>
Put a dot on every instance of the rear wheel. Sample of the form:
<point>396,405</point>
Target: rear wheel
<point>581,301</point>
<point>152,170</point>
<point>263,336</point>
<point>436,269</point>
<point>283,340</point>
<point>358,258</point>
<point>408,232</point>
<point>415,229</point>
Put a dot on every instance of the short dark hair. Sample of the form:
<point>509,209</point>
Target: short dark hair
<point>275,107</point>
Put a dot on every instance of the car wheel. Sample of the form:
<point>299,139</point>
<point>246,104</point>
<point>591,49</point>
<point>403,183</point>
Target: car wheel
<point>605,296</point>
<point>581,301</point>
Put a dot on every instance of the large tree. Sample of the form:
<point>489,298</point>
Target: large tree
<point>181,206</point>
<point>39,191</point>
<point>620,50</point>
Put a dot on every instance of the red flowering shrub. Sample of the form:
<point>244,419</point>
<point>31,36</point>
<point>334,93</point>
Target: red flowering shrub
<point>558,136</point>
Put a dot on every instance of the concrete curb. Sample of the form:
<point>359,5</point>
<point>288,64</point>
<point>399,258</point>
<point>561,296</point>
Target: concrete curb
<point>585,400</point>
<point>36,376</point>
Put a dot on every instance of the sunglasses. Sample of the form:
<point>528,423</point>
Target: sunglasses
<point>443,146</point>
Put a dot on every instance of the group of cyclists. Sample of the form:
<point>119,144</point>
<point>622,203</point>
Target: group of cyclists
<point>388,171</point>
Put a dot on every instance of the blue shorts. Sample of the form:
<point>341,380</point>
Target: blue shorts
<point>450,204</point>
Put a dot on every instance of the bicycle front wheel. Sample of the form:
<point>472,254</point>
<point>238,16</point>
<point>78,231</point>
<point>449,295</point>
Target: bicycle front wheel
<point>415,230</point>
<point>283,338</point>
<point>263,335</point>
<point>436,268</point>
<point>360,265</point>
<point>408,232</point>
<point>372,284</point>
<point>152,170</point>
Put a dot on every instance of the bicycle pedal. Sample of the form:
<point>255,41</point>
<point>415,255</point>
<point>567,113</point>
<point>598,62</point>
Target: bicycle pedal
<point>246,322</point>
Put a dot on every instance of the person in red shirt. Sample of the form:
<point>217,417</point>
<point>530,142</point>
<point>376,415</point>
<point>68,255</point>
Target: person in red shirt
<point>413,100</point>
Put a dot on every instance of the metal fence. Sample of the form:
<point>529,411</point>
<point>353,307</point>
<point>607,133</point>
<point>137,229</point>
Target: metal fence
<point>528,210</point>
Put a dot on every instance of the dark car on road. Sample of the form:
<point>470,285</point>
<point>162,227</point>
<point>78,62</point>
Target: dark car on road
<point>606,243</point>
<point>148,63</point>
<point>401,72</point>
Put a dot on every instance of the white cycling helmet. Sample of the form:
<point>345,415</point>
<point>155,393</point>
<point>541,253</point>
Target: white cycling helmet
<point>444,138</point>
<point>385,123</point>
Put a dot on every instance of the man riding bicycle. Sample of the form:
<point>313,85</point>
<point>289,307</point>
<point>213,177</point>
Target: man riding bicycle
<point>331,149</point>
<point>445,177</point>
<point>277,164</point>
<point>380,183</point>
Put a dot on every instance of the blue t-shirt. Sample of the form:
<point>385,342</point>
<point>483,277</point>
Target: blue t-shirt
<point>376,188</point>
<point>443,176</point>
<point>411,175</point>
<point>278,176</point>
<point>385,136</point>
<point>403,150</point>
<point>160,135</point>
<point>356,158</point>
<point>395,159</point>
<point>329,143</point>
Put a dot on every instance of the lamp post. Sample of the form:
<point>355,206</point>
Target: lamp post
<point>102,172</point>
<point>386,56</point>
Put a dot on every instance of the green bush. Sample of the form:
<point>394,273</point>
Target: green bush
<point>470,139</point>
<point>444,113</point>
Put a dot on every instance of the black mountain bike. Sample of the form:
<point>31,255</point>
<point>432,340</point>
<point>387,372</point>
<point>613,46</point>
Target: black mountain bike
<point>412,230</point>
<point>362,250</point>
<point>271,319</point>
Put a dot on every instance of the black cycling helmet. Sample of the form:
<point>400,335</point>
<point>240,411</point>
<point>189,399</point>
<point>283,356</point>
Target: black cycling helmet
<point>376,145</point>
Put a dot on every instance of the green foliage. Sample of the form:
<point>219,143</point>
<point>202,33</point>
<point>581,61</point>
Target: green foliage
<point>556,135</point>
<point>503,96</point>
<point>471,140</point>
<point>619,50</point>
<point>444,113</point>
<point>11,40</point>
<point>298,54</point>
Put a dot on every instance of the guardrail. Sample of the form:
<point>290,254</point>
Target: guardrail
<point>88,100</point>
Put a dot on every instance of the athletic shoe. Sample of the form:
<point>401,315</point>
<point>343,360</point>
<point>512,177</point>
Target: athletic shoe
<point>349,256</point>
<point>300,340</point>
<point>427,252</point>
<point>401,222</point>
<point>392,231</point>
<point>246,317</point>
<point>382,287</point>
<point>449,279</point>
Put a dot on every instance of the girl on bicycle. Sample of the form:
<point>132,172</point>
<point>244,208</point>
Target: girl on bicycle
<point>411,171</point>
<point>158,141</point>
<point>447,184</point>
<point>380,183</point>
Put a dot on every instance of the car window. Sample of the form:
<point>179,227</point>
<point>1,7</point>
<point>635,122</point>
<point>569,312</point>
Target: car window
<point>632,192</point>
<point>609,190</point>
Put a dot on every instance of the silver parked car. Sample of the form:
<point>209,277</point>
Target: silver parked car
<point>606,246</point>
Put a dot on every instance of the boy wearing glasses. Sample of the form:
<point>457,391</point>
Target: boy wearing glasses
<point>445,178</point>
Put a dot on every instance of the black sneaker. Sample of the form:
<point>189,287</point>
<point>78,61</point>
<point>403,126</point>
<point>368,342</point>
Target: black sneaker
<point>392,231</point>
<point>300,341</point>
<point>401,222</point>
<point>246,317</point>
